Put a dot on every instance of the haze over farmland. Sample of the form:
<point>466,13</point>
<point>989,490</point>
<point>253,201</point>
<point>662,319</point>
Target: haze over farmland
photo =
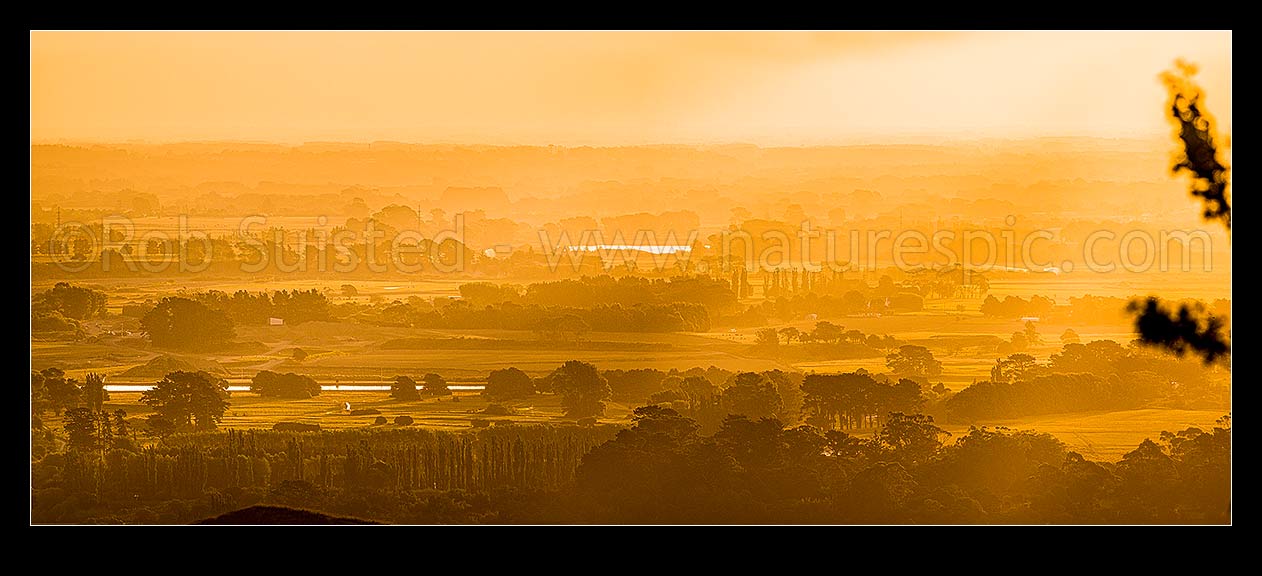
<point>474,278</point>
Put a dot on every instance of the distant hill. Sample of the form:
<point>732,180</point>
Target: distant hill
<point>278,515</point>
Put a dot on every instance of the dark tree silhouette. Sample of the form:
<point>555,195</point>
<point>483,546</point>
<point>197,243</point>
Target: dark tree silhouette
<point>913,362</point>
<point>82,431</point>
<point>94,391</point>
<point>435,385</point>
<point>790,334</point>
<point>1031,332</point>
<point>583,390</point>
<point>911,438</point>
<point>1014,367</point>
<point>187,324</point>
<point>70,301</point>
<point>270,384</point>
<point>855,400</point>
<point>39,398</point>
<point>828,332</point>
<point>122,430</point>
<point>703,403</point>
<point>404,388</point>
<point>508,384</point>
<point>751,395</point>
<point>60,392</point>
<point>634,385</point>
<point>185,400</point>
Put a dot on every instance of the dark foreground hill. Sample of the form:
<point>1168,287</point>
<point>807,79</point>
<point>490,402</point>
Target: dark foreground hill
<point>278,515</point>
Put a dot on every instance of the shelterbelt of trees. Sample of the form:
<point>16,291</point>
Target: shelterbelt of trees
<point>709,446</point>
<point>558,310</point>
<point>660,470</point>
<point>568,308</point>
<point>1085,309</point>
<point>1100,375</point>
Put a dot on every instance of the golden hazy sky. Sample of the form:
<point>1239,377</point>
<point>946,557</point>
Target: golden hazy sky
<point>610,88</point>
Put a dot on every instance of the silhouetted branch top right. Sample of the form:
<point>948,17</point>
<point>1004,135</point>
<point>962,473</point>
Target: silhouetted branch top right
<point>1184,328</point>
<point>1199,157</point>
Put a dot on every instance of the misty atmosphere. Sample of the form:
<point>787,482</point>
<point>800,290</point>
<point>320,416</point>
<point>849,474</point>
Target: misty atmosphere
<point>630,278</point>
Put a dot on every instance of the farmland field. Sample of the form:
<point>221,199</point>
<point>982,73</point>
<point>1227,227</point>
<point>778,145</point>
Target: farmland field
<point>348,349</point>
<point>1106,436</point>
<point>1101,436</point>
<point>342,351</point>
<point>456,412</point>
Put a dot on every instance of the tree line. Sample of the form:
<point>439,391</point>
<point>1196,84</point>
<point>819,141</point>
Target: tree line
<point>756,471</point>
<point>662,469</point>
<point>207,320</point>
<point>60,308</point>
<point>1085,309</point>
<point>825,340</point>
<point>561,322</point>
<point>193,476</point>
<point>589,291</point>
<point>1100,375</point>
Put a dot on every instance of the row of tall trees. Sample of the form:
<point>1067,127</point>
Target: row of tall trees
<point>97,430</point>
<point>824,332</point>
<point>243,307</point>
<point>303,469</point>
<point>856,400</point>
